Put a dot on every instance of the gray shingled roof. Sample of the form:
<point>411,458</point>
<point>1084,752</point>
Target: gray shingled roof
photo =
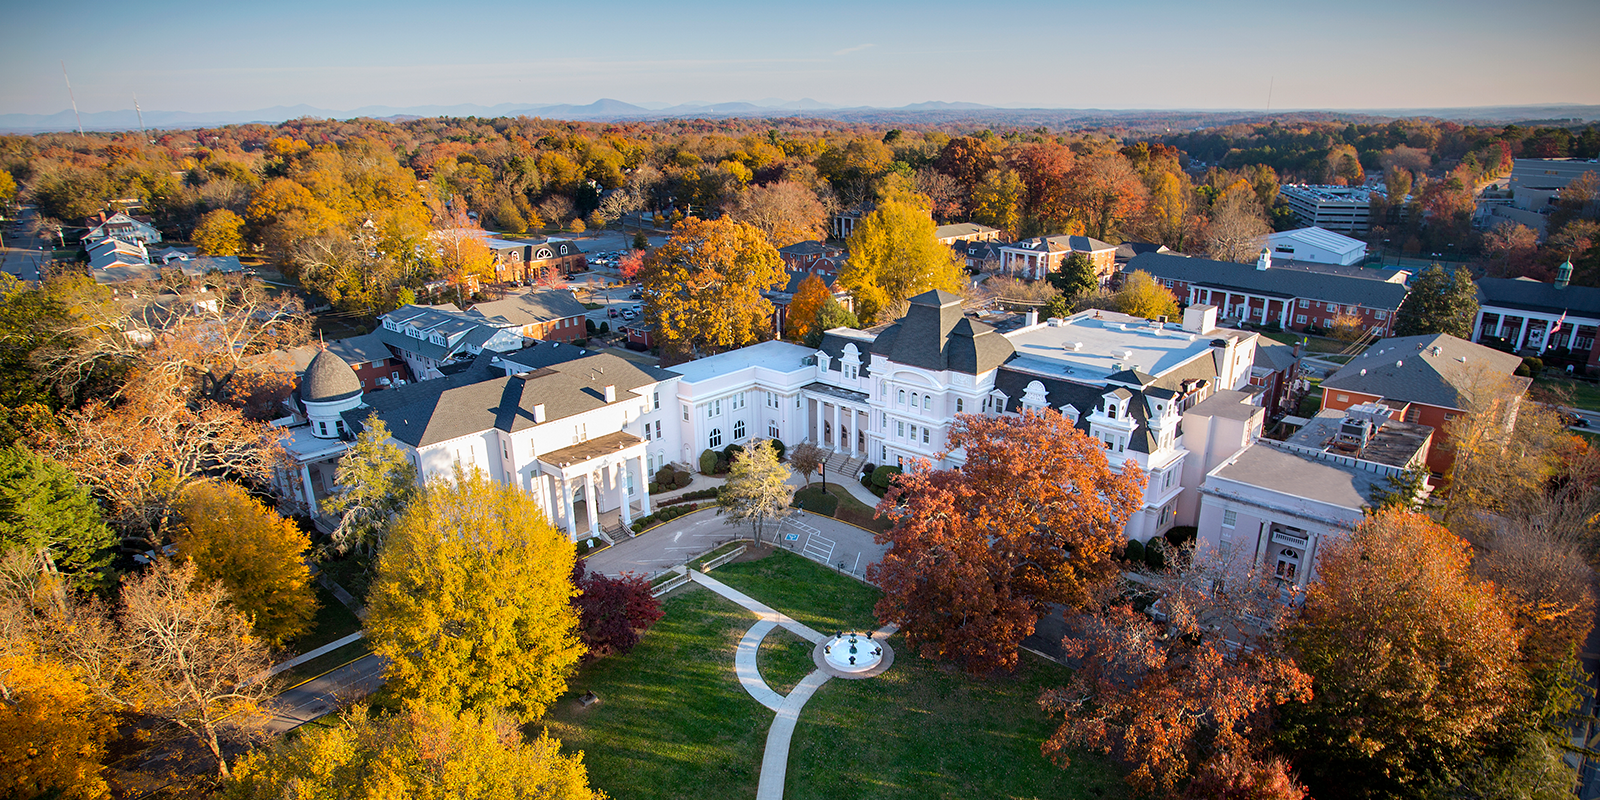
<point>483,397</point>
<point>1273,355</point>
<point>1528,295</point>
<point>363,349</point>
<point>933,335</point>
<point>833,344</point>
<point>329,378</point>
<point>527,308</point>
<point>1407,370</point>
<point>1283,283</point>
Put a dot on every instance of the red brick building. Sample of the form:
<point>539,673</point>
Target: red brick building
<point>1294,296</point>
<point>819,257</point>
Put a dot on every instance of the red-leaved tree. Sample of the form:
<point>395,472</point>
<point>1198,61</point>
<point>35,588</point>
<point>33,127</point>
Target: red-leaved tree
<point>978,552</point>
<point>612,612</point>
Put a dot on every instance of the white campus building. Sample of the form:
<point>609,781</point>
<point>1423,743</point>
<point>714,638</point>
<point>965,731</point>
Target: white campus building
<point>584,431</point>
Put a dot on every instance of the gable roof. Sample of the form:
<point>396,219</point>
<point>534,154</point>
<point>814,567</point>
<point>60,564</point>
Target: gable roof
<point>1281,283</point>
<point>1062,244</point>
<point>1319,237</point>
<point>1529,295</point>
<point>1407,369</point>
<point>533,306</point>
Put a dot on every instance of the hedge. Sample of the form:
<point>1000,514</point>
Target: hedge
<point>708,462</point>
<point>1155,556</point>
<point>1134,551</point>
<point>779,448</point>
<point>698,494</point>
<point>664,515</point>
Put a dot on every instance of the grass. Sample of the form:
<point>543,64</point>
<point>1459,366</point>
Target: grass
<point>815,500</point>
<point>1578,394</point>
<point>332,622</point>
<point>316,666</point>
<point>784,660</point>
<point>922,730</point>
<point>805,590</point>
<point>1314,344</point>
<point>699,563</point>
<point>672,718</point>
<point>840,504</point>
<point>1311,401</point>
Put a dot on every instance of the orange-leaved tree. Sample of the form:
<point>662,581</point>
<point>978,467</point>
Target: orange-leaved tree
<point>703,287</point>
<point>978,552</point>
<point>809,297</point>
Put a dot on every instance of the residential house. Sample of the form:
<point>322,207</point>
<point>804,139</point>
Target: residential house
<point>1427,380</point>
<point>979,256</point>
<point>819,257</point>
<point>966,232</point>
<point>120,225</point>
<point>549,314</point>
<point>1038,257</point>
<point>430,337</point>
<point>1316,245</point>
<point>111,252</point>
<point>1293,296</point>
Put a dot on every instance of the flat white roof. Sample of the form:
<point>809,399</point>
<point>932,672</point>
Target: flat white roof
<point>1053,349</point>
<point>1320,237</point>
<point>774,355</point>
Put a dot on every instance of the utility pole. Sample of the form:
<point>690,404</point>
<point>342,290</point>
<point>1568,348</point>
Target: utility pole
<point>74,99</point>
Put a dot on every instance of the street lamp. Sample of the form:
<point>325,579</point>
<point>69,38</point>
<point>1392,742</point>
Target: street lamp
<point>824,476</point>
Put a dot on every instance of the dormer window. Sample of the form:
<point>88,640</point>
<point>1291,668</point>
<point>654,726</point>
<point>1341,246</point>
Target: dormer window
<point>1111,409</point>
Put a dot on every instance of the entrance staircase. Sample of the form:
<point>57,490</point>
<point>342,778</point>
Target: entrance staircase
<point>842,466</point>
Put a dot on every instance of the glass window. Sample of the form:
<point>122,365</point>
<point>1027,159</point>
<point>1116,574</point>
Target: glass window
<point>658,429</point>
<point>1299,319</point>
<point>900,429</point>
<point>901,397</point>
<point>1230,518</point>
<point>1305,303</point>
<point>716,438</point>
<point>738,430</point>
<point>685,412</point>
<point>958,405</point>
<point>656,399</point>
<point>924,435</point>
<point>927,402</point>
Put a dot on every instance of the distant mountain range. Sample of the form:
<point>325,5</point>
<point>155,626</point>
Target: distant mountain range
<point>932,112</point>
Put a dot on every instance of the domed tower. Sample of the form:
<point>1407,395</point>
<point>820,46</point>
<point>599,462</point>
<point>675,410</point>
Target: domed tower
<point>330,388</point>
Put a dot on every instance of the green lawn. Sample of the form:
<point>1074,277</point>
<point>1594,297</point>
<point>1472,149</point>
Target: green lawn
<point>353,572</point>
<point>840,504</point>
<point>923,731</point>
<point>1578,394</point>
<point>1314,344</point>
<point>332,623</point>
<point>805,590</point>
<point>784,660</point>
<point>673,720</point>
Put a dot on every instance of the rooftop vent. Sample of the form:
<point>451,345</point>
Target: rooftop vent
<point>538,413</point>
<point>1076,347</point>
<point>1437,350</point>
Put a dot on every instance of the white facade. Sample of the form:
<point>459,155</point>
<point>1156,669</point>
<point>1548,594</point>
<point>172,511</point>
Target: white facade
<point>1316,245</point>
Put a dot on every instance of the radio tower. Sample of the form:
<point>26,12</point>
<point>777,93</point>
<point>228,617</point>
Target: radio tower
<point>74,99</point>
<point>140,112</point>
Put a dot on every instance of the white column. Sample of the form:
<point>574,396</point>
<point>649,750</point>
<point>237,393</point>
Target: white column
<point>1522,338</point>
<point>836,426</point>
<point>311,495</point>
<point>622,491</point>
<point>644,493</point>
<point>589,500</point>
<point>566,504</point>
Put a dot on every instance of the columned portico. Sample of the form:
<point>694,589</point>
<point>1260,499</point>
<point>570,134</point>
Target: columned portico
<point>837,418</point>
<point>604,465</point>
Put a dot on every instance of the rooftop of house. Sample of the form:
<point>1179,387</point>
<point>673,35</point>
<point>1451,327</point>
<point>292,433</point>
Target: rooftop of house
<point>1435,369</point>
<point>808,249</point>
<point>1395,444</point>
<point>361,349</point>
<point>962,229</point>
<point>1227,404</point>
<point>1380,291</point>
<point>774,355</point>
<point>1323,238</point>
<point>1526,294</point>
<point>1094,345</point>
<point>532,306</point>
<point>328,378</point>
<point>1265,465</point>
<point>935,335</point>
<point>1062,244</point>
<point>1275,356</point>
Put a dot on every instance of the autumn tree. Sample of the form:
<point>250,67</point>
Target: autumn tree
<point>1044,168</point>
<point>1439,302</point>
<point>808,300</point>
<point>997,202</point>
<point>832,315</point>
<point>471,601</point>
<point>1412,660</point>
<point>978,552</point>
<point>894,256</point>
<point>612,612</point>
<point>420,751</point>
<point>1503,452</point>
<point>1106,192</point>
<point>258,556</point>
<point>220,233</point>
<point>1347,327</point>
<point>1142,296</point>
<point>785,212</point>
<point>805,458</point>
<point>966,159</point>
<point>192,655</point>
<point>45,512</point>
<point>1190,693</point>
<point>1237,229</point>
<point>1511,249</point>
<point>703,288</point>
<point>377,481</point>
<point>757,488</point>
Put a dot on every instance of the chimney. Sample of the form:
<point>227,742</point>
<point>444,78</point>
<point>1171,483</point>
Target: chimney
<point>1200,318</point>
<point>1264,261</point>
<point>1564,274</point>
<point>1033,317</point>
<point>611,393</point>
<point>538,413</point>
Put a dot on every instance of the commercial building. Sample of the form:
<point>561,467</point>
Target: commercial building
<point>1316,245</point>
<point>1347,209</point>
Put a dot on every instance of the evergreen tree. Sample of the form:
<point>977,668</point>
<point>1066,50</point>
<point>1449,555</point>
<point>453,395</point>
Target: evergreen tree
<point>378,481</point>
<point>1076,277</point>
<point>44,509</point>
<point>1439,302</point>
<point>833,314</point>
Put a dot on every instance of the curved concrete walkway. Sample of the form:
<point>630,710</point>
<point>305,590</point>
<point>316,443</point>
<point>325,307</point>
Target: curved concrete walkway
<point>744,665</point>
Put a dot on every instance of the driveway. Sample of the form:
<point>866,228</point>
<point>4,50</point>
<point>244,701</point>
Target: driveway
<point>325,693</point>
<point>840,545</point>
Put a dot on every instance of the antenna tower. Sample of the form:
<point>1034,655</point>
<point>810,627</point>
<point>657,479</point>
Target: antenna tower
<point>140,112</point>
<point>75,113</point>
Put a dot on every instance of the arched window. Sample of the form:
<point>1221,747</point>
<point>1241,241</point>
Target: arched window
<point>738,430</point>
<point>716,438</point>
<point>900,397</point>
<point>927,402</point>
<point>959,405</point>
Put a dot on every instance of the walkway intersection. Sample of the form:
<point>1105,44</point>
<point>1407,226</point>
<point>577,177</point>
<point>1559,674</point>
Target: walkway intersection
<point>775,760</point>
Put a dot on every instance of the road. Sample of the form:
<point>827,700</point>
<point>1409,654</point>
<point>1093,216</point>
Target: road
<point>22,255</point>
<point>327,692</point>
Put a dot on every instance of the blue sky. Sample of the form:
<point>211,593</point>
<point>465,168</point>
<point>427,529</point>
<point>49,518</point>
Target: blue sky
<point>220,55</point>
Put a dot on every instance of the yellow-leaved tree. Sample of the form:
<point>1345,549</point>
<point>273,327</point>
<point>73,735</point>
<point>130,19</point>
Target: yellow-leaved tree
<point>257,555</point>
<point>471,602</point>
<point>809,298</point>
<point>421,752</point>
<point>894,256</point>
<point>220,233</point>
<point>703,287</point>
<point>1141,296</point>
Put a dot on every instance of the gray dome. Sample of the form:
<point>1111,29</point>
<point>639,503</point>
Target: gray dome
<point>328,379</point>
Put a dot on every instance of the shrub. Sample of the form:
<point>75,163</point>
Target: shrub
<point>665,476</point>
<point>708,462</point>
<point>580,342</point>
<point>1134,552</point>
<point>584,547</point>
<point>882,475</point>
<point>703,494</point>
<point>1155,555</point>
<point>779,448</point>
<point>681,478</point>
<point>605,327</point>
<point>1181,536</point>
<point>721,467</point>
<point>589,327</point>
<point>655,488</point>
<point>1531,366</point>
<point>866,480</point>
<point>730,451</point>
<point>664,515</point>
<point>867,470</point>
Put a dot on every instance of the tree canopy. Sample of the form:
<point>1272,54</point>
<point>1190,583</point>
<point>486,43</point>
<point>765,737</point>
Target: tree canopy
<point>1142,296</point>
<point>377,480</point>
<point>894,256</point>
<point>757,487</point>
<point>703,287</point>
<point>44,510</point>
<point>1439,302</point>
<point>471,601</point>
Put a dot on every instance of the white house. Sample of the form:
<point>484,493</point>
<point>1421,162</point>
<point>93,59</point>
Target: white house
<point>1316,245</point>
